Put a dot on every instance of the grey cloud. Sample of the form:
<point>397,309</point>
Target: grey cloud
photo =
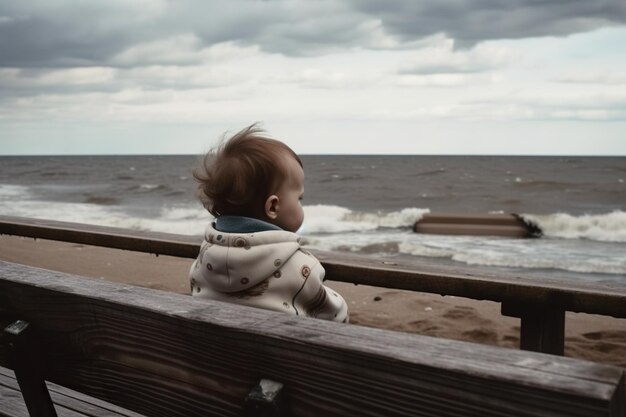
<point>443,69</point>
<point>296,28</point>
<point>40,34</point>
<point>472,21</point>
<point>64,33</point>
<point>33,34</point>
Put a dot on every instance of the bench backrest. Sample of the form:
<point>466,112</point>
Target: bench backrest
<point>164,354</point>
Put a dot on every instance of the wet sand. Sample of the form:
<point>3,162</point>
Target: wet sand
<point>593,337</point>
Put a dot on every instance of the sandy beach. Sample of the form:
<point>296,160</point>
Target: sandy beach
<point>597,338</point>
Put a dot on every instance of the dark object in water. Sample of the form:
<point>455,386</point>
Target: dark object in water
<point>508,225</point>
<point>533,228</point>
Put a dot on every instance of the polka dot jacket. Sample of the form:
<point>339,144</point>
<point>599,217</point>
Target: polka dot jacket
<point>266,269</point>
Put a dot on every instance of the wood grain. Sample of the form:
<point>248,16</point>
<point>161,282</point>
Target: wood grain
<point>163,354</point>
<point>68,403</point>
<point>508,225</point>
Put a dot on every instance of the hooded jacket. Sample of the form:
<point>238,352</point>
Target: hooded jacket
<point>260,265</point>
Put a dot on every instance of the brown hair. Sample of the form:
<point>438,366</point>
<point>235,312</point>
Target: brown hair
<point>238,175</point>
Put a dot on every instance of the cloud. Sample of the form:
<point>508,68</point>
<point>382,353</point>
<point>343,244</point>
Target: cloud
<point>549,105</point>
<point>473,21</point>
<point>94,33</point>
<point>65,33</point>
<point>441,58</point>
<point>593,77</point>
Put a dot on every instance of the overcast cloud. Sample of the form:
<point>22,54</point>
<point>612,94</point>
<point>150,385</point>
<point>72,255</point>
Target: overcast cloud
<point>69,33</point>
<point>356,70</point>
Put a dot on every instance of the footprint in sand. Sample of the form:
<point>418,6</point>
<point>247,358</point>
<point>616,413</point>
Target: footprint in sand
<point>613,335</point>
<point>422,326</point>
<point>466,313</point>
<point>481,335</point>
<point>607,347</point>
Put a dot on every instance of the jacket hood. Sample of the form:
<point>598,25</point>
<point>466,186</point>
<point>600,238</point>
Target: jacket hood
<point>233,262</point>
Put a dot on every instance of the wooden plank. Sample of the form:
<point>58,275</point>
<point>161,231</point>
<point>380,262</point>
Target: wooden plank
<point>471,229</point>
<point>471,218</point>
<point>139,241</point>
<point>68,403</point>
<point>407,274</point>
<point>11,401</point>
<point>542,326</point>
<point>477,283</point>
<point>164,354</point>
<point>509,225</point>
<point>26,361</point>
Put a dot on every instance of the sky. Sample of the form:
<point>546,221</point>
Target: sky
<point>517,77</point>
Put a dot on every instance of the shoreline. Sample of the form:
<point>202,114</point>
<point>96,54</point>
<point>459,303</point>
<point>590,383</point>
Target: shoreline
<point>593,337</point>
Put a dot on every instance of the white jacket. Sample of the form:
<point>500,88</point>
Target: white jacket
<point>266,269</point>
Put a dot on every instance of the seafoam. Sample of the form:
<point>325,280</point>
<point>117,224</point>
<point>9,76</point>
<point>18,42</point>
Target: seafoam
<point>591,244</point>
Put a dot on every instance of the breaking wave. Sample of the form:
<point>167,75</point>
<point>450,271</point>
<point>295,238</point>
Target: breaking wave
<point>609,227</point>
<point>335,219</point>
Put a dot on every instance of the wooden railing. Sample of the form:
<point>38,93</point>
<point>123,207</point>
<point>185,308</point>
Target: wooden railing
<point>163,354</point>
<point>539,301</point>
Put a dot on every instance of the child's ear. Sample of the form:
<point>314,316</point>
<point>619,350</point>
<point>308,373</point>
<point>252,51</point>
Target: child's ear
<point>271,206</point>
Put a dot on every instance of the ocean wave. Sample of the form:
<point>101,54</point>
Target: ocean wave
<point>334,219</point>
<point>545,254</point>
<point>10,191</point>
<point>189,221</point>
<point>544,184</point>
<point>337,177</point>
<point>178,220</point>
<point>387,234</point>
<point>596,257</point>
<point>54,174</point>
<point>429,173</point>
<point>148,188</point>
<point>101,200</point>
<point>610,227</point>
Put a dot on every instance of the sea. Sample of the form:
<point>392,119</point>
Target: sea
<point>363,204</point>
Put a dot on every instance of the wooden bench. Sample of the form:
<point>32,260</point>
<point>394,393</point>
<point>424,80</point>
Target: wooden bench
<point>162,354</point>
<point>67,403</point>
<point>540,300</point>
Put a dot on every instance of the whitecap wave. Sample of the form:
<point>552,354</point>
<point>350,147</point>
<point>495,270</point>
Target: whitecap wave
<point>11,191</point>
<point>610,227</point>
<point>335,219</point>
<point>16,200</point>
<point>592,257</point>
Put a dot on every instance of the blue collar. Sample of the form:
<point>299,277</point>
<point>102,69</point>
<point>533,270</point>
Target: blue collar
<point>240,224</point>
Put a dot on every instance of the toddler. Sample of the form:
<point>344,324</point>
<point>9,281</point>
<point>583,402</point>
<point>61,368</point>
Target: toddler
<point>251,254</point>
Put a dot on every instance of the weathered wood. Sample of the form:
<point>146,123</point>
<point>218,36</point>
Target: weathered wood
<point>68,403</point>
<point>477,283</point>
<point>509,225</point>
<point>163,354</point>
<point>406,274</point>
<point>266,399</point>
<point>542,327</point>
<point>110,237</point>
<point>470,229</point>
<point>26,360</point>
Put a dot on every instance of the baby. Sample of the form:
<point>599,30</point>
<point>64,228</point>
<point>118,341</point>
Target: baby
<point>251,254</point>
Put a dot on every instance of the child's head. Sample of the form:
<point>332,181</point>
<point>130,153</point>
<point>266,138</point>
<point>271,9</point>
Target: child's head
<point>254,176</point>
